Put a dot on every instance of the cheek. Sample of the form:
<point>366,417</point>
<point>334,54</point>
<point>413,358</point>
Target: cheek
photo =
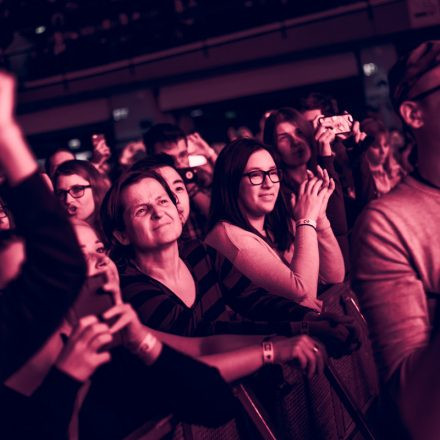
<point>184,201</point>
<point>88,204</point>
<point>283,148</point>
<point>247,195</point>
<point>308,152</point>
<point>373,153</point>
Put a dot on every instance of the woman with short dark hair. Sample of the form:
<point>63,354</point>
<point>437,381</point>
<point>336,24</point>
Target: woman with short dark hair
<point>81,189</point>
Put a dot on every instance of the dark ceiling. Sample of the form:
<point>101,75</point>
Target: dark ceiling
<point>40,38</point>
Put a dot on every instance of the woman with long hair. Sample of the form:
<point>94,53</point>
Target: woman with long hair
<point>302,147</point>
<point>250,223</point>
<point>190,289</point>
<point>379,170</point>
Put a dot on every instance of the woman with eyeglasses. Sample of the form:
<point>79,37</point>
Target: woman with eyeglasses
<point>251,225</point>
<point>192,290</point>
<point>80,189</point>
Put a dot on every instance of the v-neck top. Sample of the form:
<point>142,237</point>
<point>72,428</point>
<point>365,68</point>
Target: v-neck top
<point>226,301</point>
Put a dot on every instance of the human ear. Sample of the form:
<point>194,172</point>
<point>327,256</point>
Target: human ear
<point>411,113</point>
<point>121,237</point>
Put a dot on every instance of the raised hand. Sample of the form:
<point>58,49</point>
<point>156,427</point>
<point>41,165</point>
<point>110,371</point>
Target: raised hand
<point>324,138</point>
<point>308,353</point>
<point>328,186</point>
<point>307,204</point>
<point>83,354</point>
<point>126,320</point>
<point>101,152</point>
<point>358,135</point>
<point>198,145</point>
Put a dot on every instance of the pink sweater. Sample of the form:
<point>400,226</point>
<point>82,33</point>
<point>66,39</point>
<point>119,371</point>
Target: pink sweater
<point>313,255</point>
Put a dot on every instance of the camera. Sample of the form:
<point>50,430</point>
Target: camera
<point>189,175</point>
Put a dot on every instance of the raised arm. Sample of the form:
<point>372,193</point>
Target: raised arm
<point>33,304</point>
<point>331,252</point>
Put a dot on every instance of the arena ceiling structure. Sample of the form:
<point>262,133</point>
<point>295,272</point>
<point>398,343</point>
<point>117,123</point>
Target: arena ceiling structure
<point>41,38</point>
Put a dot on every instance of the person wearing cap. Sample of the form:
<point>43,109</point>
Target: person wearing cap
<point>396,253</point>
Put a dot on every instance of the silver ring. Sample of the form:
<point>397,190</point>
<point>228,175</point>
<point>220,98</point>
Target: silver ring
<point>315,349</point>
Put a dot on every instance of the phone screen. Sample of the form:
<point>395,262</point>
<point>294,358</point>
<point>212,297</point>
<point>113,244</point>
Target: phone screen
<point>339,123</point>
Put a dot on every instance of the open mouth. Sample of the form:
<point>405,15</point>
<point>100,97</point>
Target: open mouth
<point>72,210</point>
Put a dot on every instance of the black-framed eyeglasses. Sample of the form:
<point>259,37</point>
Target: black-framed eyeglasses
<point>425,93</point>
<point>257,177</point>
<point>76,191</point>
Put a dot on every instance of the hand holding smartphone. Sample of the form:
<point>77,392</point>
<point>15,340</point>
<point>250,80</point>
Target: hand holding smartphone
<point>93,299</point>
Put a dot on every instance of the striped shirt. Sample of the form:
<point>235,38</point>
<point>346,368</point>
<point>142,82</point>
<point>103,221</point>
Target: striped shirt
<point>226,301</point>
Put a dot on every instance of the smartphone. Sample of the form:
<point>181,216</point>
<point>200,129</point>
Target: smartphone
<point>93,300</point>
<point>340,124</point>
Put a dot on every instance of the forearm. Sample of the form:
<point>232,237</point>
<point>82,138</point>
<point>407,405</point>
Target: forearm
<point>331,261</point>
<point>208,345</point>
<point>305,261</point>
<point>268,271</point>
<point>16,159</point>
<point>236,364</point>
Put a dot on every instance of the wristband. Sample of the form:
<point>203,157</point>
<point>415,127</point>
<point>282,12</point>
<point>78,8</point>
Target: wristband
<point>268,353</point>
<point>147,345</point>
<point>306,222</point>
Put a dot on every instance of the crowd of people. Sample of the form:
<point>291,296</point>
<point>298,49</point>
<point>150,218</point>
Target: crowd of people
<point>140,288</point>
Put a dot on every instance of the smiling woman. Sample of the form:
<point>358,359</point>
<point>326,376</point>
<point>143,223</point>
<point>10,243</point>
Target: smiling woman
<point>179,289</point>
<point>250,224</point>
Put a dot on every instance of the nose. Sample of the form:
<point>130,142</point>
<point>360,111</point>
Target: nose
<point>68,198</point>
<point>101,261</point>
<point>267,183</point>
<point>157,212</point>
